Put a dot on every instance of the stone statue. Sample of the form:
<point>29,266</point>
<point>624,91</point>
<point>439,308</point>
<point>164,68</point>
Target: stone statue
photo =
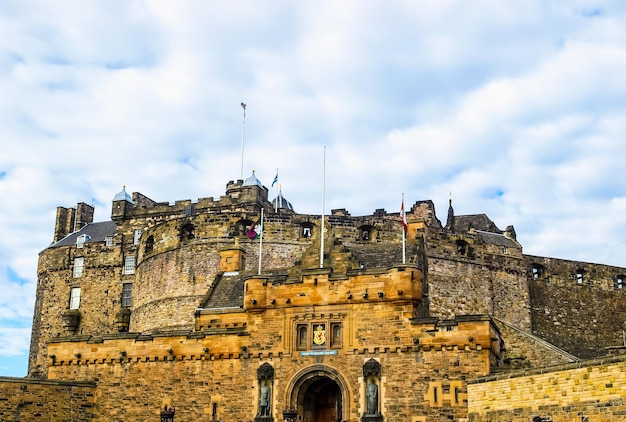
<point>371,391</point>
<point>264,400</point>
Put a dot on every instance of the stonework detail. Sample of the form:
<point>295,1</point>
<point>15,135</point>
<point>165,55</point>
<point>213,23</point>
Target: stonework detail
<point>170,309</point>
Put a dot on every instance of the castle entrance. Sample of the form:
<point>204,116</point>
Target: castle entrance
<point>319,394</point>
<point>321,402</point>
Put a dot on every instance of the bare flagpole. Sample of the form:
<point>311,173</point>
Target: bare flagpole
<point>323,206</point>
<point>261,241</point>
<point>243,130</point>
<point>403,217</point>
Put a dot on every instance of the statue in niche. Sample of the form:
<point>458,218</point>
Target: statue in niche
<point>371,391</point>
<point>264,399</point>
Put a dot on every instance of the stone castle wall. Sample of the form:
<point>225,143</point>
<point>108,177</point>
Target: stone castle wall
<point>23,399</point>
<point>581,314</point>
<point>200,375</point>
<point>592,390</point>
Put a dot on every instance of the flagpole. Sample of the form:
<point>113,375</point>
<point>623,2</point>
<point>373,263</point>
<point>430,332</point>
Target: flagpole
<point>276,204</point>
<point>323,206</point>
<point>243,130</point>
<point>403,232</point>
<point>261,241</point>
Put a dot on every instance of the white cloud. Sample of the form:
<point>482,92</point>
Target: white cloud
<point>517,109</point>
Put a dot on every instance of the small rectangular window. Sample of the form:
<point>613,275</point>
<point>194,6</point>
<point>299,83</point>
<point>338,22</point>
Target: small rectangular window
<point>75,298</point>
<point>127,294</point>
<point>136,236</point>
<point>619,282</point>
<point>108,241</point>
<point>579,277</point>
<point>129,265</point>
<point>78,266</point>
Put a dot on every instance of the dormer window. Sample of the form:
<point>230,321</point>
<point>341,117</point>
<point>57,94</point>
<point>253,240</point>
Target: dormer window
<point>80,240</point>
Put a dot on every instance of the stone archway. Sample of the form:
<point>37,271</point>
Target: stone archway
<point>319,394</point>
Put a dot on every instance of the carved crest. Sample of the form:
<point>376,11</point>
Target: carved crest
<point>371,368</point>
<point>265,372</point>
<point>319,335</point>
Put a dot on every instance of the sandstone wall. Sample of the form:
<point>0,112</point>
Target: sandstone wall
<point>587,391</point>
<point>23,399</point>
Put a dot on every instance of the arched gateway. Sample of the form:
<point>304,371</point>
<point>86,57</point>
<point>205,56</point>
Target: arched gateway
<point>319,394</point>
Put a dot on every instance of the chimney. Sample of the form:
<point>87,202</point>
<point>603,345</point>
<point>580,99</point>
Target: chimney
<point>64,224</point>
<point>84,215</point>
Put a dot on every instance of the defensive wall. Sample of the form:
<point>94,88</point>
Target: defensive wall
<point>587,391</point>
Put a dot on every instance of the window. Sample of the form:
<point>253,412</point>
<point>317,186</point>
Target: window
<point>149,244</point>
<point>78,266</point>
<point>619,282</point>
<point>187,232</point>
<point>108,241</point>
<point>505,249</point>
<point>136,236</point>
<point>127,294</point>
<point>306,232</point>
<point>75,298</point>
<point>129,265</point>
<point>537,271</point>
<point>579,277</point>
<point>462,247</point>
<point>301,340</point>
<point>80,240</point>
<point>335,334</point>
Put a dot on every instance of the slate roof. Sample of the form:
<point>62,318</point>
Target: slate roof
<point>463,223</point>
<point>227,291</point>
<point>96,232</point>
<point>497,239</point>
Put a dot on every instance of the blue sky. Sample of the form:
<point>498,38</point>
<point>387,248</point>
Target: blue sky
<point>516,108</point>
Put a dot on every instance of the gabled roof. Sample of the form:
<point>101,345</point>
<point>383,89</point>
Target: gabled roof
<point>463,223</point>
<point>96,232</point>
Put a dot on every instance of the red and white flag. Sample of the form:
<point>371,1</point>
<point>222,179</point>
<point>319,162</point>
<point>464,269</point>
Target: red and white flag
<point>403,215</point>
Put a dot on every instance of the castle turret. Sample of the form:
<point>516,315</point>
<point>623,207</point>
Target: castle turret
<point>122,201</point>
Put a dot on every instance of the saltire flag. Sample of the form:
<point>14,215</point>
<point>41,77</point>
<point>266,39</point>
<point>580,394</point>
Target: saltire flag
<point>275,180</point>
<point>255,231</point>
<point>403,216</point>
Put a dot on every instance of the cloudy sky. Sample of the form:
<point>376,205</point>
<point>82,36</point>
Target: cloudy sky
<point>518,109</point>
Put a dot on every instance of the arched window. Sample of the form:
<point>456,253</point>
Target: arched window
<point>306,230</point>
<point>366,233</point>
<point>301,341</point>
<point>149,244</point>
<point>187,232</point>
<point>462,247</point>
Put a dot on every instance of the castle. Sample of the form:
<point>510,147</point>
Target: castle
<point>241,309</point>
